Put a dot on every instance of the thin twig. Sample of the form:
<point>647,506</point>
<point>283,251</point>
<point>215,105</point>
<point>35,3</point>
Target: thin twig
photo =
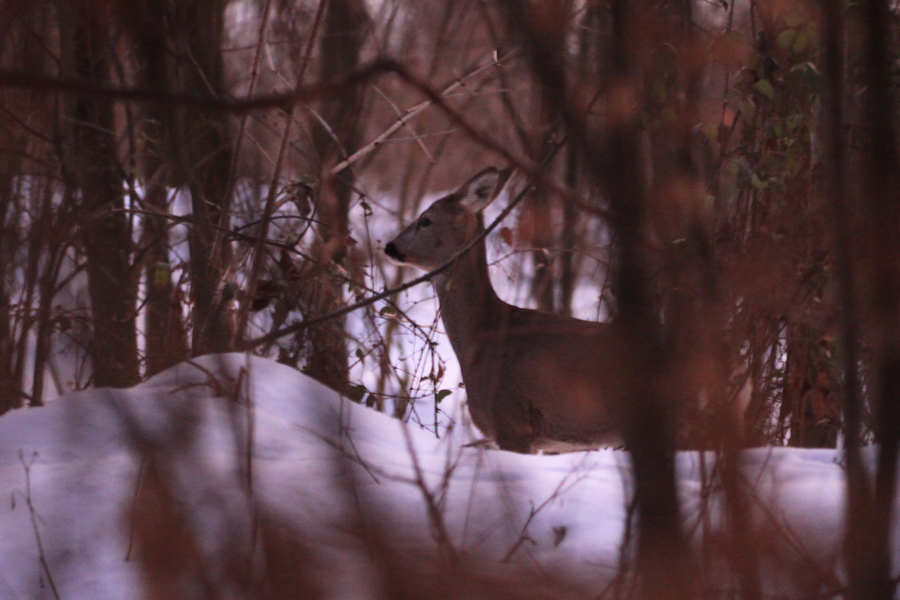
<point>563,486</point>
<point>251,90</point>
<point>134,504</point>
<point>306,93</point>
<point>303,94</point>
<point>34,520</point>
<point>401,120</point>
<point>272,195</point>
<point>404,118</point>
<point>433,505</point>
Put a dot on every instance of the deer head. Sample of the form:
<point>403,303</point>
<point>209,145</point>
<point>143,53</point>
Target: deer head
<point>449,225</point>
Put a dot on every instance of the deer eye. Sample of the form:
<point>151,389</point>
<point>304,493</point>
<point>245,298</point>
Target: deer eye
<point>424,222</point>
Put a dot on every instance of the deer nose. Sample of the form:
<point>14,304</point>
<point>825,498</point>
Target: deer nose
<point>391,251</point>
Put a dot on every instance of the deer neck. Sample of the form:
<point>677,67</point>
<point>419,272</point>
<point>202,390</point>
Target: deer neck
<point>469,305</point>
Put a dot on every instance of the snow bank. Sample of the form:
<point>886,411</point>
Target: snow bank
<point>333,472</point>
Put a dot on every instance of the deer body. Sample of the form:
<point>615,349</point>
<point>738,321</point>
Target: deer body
<point>534,380</point>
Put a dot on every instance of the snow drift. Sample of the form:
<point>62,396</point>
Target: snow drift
<point>199,479</point>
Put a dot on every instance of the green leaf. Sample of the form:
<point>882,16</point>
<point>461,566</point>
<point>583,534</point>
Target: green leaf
<point>658,93</point>
<point>748,109</point>
<point>765,88</point>
<point>758,183</point>
<point>711,131</point>
<point>440,395</point>
<point>786,39</point>
<point>801,44</point>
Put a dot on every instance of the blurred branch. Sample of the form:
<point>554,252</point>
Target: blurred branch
<point>881,194</point>
<point>858,480</point>
<point>434,502</point>
<point>404,118</point>
<point>304,93</point>
<point>414,135</point>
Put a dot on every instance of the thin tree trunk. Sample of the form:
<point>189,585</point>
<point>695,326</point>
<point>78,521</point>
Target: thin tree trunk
<point>568,270</point>
<point>95,176</point>
<point>662,550</point>
<point>346,24</point>
<point>882,193</point>
<point>859,491</point>
<point>589,75</point>
<point>10,389</point>
<point>204,147</point>
<point>166,341</point>
<point>537,209</point>
<point>538,206</point>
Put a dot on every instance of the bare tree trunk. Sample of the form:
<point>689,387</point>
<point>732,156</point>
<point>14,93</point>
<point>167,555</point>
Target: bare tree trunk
<point>165,335</point>
<point>662,550</point>
<point>537,208</point>
<point>204,149</point>
<point>346,25</point>
<point>615,165</point>
<point>859,491</point>
<point>10,388</point>
<point>882,193</point>
<point>28,255</point>
<point>569,239</point>
<point>95,179</point>
<point>43,318</point>
<point>588,74</point>
<point>30,286</point>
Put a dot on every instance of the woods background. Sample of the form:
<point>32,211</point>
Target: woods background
<point>186,177</point>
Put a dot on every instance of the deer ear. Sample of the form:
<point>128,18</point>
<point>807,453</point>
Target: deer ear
<point>481,190</point>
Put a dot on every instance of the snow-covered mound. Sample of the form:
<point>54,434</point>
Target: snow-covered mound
<point>119,478</point>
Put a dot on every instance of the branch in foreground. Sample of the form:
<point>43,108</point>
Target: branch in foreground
<point>404,118</point>
<point>302,94</point>
<point>305,93</point>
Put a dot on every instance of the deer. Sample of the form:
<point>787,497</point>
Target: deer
<point>535,381</point>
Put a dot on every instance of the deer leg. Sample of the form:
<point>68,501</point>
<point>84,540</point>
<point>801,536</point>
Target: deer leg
<point>516,430</point>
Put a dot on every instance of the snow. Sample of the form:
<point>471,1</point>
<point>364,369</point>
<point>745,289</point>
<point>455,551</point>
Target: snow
<point>329,471</point>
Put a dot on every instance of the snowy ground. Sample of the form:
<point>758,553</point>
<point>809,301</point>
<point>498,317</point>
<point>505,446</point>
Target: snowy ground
<point>333,472</point>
